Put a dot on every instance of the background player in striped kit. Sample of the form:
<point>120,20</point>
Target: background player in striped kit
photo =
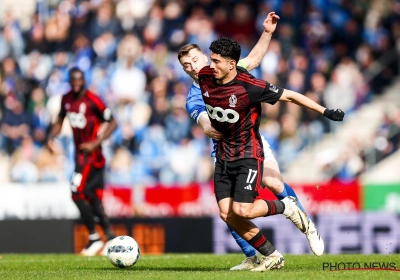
<point>86,113</point>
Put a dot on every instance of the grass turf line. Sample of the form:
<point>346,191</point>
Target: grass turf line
<point>184,266</point>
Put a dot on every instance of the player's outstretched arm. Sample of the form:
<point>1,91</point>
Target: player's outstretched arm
<point>109,128</point>
<point>301,100</point>
<point>260,49</point>
<point>56,128</point>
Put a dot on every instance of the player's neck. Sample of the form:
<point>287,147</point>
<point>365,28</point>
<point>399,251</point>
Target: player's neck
<point>228,78</point>
<point>80,94</point>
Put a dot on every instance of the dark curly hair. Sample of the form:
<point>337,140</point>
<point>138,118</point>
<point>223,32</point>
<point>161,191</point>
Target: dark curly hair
<point>226,47</point>
<point>75,69</point>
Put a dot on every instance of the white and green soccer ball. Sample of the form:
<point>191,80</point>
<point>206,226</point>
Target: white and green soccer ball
<point>123,251</point>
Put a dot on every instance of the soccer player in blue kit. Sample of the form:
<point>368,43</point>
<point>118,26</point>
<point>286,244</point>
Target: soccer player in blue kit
<point>193,60</point>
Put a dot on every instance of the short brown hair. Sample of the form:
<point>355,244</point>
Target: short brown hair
<point>186,49</point>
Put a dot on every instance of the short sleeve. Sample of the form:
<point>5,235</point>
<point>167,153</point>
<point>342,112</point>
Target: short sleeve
<point>100,109</point>
<point>194,103</point>
<point>242,64</point>
<point>264,92</point>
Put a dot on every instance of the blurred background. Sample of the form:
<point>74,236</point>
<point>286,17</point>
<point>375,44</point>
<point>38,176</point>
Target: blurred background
<point>342,54</point>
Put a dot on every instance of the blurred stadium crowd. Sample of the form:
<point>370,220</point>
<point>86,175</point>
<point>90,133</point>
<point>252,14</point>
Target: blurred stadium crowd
<point>127,49</point>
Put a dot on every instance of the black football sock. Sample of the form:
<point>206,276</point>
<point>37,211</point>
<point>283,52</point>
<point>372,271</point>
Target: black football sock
<point>86,215</point>
<point>275,207</point>
<point>261,244</point>
<point>104,222</point>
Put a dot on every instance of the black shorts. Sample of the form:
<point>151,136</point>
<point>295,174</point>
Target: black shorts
<point>239,179</point>
<point>87,182</point>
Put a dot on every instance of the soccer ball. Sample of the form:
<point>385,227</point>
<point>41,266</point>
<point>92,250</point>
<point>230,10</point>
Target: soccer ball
<point>123,251</point>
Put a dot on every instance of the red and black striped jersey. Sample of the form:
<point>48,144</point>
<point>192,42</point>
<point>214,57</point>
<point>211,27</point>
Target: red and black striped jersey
<point>85,115</point>
<point>234,109</point>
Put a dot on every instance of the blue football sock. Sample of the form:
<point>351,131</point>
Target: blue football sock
<point>247,249</point>
<point>288,191</point>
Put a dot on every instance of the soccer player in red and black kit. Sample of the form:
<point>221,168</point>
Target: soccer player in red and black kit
<point>232,97</point>
<point>86,113</point>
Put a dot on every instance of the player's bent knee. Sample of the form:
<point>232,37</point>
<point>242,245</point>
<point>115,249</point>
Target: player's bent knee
<point>223,216</point>
<point>231,219</point>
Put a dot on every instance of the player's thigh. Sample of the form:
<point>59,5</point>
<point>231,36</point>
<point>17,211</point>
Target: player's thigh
<point>79,179</point>
<point>223,182</point>
<point>272,178</point>
<point>248,178</point>
<point>95,183</point>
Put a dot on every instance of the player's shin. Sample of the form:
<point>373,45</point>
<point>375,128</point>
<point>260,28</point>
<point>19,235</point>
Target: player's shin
<point>247,249</point>
<point>104,222</point>
<point>86,214</point>
<point>94,244</point>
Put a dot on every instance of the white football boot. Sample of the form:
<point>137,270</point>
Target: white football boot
<point>273,261</point>
<point>94,245</point>
<point>92,248</point>
<point>314,239</point>
<point>295,214</point>
<point>247,263</point>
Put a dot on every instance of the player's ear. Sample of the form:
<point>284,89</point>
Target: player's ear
<point>232,64</point>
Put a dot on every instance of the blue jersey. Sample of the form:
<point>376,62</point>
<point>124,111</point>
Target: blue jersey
<point>196,106</point>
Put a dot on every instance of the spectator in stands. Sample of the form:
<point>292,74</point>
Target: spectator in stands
<point>14,125</point>
<point>13,82</point>
<point>11,41</point>
<point>23,168</point>
<point>56,30</point>
<point>51,166</point>
<point>36,40</point>
<point>158,101</point>
<point>35,66</point>
<point>128,86</point>
<point>104,21</point>
<point>128,81</point>
<point>177,122</point>
<point>40,117</point>
<point>120,167</point>
<point>83,54</point>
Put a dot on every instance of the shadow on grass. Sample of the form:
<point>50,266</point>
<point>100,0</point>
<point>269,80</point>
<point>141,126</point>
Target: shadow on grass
<point>151,268</point>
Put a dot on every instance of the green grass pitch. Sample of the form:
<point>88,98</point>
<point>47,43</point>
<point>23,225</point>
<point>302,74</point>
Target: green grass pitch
<point>185,266</point>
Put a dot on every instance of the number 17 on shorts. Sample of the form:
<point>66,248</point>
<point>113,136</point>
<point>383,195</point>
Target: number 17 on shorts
<point>250,179</point>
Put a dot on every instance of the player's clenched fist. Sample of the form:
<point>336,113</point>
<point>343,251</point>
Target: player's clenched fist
<point>334,114</point>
